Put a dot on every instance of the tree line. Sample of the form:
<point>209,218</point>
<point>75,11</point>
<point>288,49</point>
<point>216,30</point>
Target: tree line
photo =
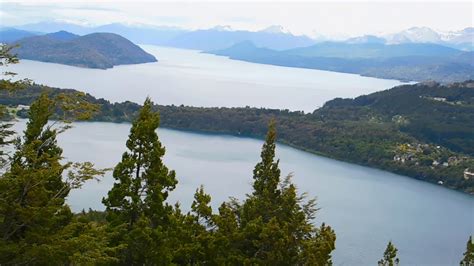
<point>368,130</point>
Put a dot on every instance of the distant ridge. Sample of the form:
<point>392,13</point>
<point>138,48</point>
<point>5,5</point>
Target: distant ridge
<point>9,35</point>
<point>273,37</point>
<point>405,62</point>
<point>96,50</point>
<point>170,36</point>
<point>62,36</point>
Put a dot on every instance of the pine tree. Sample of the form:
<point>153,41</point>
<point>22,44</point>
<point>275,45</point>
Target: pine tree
<point>273,225</point>
<point>468,259</point>
<point>136,203</point>
<point>6,58</point>
<point>389,256</point>
<point>32,204</point>
<point>35,221</point>
<point>194,231</point>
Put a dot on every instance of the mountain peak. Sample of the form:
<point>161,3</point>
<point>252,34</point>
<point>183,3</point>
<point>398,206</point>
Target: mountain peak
<point>366,39</point>
<point>62,35</point>
<point>415,35</point>
<point>222,28</point>
<point>278,29</point>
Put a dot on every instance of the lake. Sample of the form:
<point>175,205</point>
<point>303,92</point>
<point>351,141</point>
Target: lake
<point>429,224</point>
<point>192,78</point>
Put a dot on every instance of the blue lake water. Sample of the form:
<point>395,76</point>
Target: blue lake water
<point>429,224</point>
<point>191,78</point>
<point>367,207</point>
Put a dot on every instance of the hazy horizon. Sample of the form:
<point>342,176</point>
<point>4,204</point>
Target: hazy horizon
<point>314,19</point>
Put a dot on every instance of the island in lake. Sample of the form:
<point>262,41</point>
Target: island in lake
<point>96,50</point>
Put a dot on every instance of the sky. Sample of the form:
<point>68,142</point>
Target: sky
<point>330,18</point>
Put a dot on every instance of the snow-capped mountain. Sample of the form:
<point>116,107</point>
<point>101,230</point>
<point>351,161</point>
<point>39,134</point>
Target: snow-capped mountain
<point>462,36</point>
<point>415,35</point>
<point>366,39</point>
<point>222,28</point>
<point>277,29</point>
<point>461,39</point>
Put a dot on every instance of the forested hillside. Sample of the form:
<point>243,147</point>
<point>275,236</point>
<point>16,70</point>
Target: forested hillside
<point>97,50</point>
<point>402,130</point>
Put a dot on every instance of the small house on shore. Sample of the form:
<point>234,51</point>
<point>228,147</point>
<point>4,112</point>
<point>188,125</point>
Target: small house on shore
<point>468,174</point>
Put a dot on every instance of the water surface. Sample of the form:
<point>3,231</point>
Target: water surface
<point>192,78</point>
<point>429,224</point>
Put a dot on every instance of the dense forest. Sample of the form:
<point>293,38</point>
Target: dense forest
<point>424,131</point>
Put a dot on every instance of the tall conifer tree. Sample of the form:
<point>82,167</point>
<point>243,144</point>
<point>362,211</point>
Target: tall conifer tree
<point>274,224</point>
<point>136,203</point>
<point>36,224</point>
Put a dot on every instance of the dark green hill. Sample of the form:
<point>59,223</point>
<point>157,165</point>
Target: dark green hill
<point>96,50</point>
<point>428,111</point>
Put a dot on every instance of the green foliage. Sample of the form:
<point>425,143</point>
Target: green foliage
<point>273,225</point>
<point>71,106</point>
<point>468,259</point>
<point>367,130</point>
<point>5,139</point>
<point>98,217</point>
<point>276,223</point>
<point>36,225</point>
<point>136,204</point>
<point>389,256</point>
<point>6,58</point>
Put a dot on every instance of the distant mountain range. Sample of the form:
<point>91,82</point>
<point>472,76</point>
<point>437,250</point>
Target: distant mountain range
<point>415,54</point>
<point>274,37</point>
<point>219,37</point>
<point>462,39</point>
<point>96,50</point>
<point>406,62</point>
<point>9,35</point>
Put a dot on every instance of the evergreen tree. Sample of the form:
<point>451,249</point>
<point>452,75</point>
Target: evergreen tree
<point>6,58</point>
<point>194,231</point>
<point>36,225</point>
<point>136,204</point>
<point>273,225</point>
<point>389,256</point>
<point>468,259</point>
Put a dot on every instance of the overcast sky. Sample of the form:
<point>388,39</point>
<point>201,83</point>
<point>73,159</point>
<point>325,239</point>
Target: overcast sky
<point>334,18</point>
